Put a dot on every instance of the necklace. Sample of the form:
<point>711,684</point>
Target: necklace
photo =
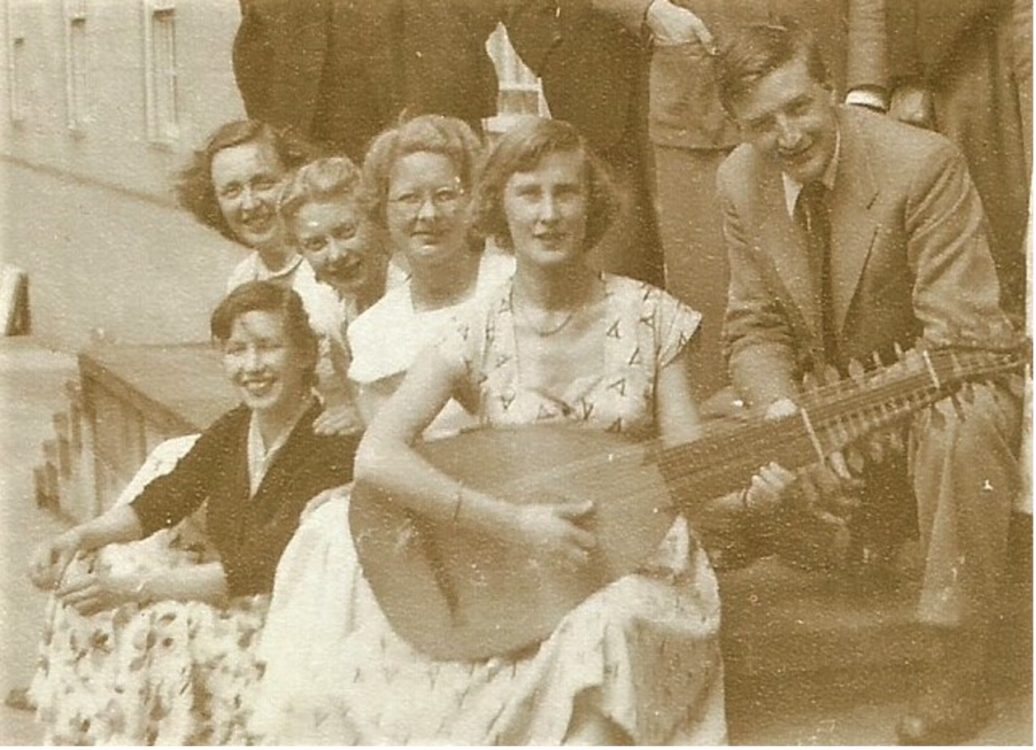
<point>543,332</point>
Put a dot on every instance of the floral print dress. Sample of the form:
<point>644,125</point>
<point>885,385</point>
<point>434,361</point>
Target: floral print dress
<point>644,649</point>
<point>168,673</point>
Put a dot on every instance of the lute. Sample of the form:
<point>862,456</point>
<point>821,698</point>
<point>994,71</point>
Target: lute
<point>457,596</point>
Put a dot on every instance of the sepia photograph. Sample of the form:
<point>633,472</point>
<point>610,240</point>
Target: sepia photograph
<point>516,372</point>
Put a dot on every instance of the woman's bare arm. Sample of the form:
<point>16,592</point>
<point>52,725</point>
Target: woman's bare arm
<point>118,525</point>
<point>104,590</point>
<point>387,459</point>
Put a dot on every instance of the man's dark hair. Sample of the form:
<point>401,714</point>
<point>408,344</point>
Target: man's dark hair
<point>755,51</point>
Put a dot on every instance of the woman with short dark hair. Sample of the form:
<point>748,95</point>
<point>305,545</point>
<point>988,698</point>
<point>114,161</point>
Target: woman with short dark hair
<point>153,642</point>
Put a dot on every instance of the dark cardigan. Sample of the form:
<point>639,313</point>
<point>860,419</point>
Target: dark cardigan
<point>250,533</point>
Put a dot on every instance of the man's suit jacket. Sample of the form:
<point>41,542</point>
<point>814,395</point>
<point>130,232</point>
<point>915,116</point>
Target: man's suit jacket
<point>909,256</point>
<point>339,71</point>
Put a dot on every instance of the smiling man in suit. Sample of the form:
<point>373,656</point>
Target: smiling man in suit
<point>848,233</point>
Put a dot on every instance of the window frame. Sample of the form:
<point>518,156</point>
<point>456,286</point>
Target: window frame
<point>77,107</point>
<point>159,133</point>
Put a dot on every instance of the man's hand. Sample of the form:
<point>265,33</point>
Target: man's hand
<point>670,25</point>
<point>913,105</point>
<point>826,488</point>
<point>768,487</point>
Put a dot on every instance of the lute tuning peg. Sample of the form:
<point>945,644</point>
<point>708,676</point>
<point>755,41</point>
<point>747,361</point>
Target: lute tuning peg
<point>855,460</point>
<point>831,375</point>
<point>955,400</point>
<point>856,372</point>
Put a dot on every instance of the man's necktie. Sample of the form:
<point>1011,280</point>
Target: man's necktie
<point>813,215</point>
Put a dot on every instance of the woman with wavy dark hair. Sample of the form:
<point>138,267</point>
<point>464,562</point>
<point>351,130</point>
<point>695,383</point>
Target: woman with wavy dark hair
<point>153,626</point>
<point>231,184</point>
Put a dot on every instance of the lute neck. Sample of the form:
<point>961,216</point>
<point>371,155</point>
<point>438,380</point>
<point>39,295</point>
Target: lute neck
<point>829,418</point>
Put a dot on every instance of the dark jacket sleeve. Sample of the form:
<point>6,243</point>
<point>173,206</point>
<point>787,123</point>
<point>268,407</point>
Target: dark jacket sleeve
<point>327,463</point>
<point>169,499</point>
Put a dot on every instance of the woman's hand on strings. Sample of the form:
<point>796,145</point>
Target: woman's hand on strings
<point>551,529</point>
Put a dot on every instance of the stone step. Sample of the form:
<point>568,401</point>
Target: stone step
<point>778,620</point>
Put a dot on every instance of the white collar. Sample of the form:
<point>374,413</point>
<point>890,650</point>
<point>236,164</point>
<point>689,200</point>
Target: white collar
<point>263,272</point>
<point>793,187</point>
<point>259,456</point>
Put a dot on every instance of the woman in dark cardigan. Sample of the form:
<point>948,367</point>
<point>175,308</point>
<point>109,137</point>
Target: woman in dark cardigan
<point>153,643</point>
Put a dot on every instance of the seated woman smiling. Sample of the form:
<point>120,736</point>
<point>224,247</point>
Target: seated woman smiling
<point>323,211</point>
<point>160,650</point>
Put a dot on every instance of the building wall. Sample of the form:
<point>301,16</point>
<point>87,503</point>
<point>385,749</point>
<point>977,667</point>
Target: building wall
<point>87,207</point>
<point>88,210</point>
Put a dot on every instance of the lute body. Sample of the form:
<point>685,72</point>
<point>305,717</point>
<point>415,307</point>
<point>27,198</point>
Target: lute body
<point>456,595</point>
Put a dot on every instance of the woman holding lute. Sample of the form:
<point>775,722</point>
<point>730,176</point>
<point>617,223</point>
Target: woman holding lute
<point>561,344</point>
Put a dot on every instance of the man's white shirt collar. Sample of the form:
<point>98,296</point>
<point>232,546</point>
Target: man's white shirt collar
<point>793,187</point>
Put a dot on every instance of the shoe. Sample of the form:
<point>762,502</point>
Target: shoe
<point>945,725</point>
<point>955,702</point>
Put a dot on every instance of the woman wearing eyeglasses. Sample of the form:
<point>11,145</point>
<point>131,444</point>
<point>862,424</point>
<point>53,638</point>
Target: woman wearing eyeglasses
<point>418,179</point>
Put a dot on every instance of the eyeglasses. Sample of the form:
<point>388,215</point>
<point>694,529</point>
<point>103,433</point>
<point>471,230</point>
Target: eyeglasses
<point>444,199</point>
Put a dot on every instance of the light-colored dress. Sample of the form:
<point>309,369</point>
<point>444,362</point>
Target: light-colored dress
<point>644,649</point>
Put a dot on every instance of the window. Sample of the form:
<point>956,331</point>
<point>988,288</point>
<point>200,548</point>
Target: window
<point>160,69</point>
<point>520,90</point>
<point>18,80</point>
<point>76,65</point>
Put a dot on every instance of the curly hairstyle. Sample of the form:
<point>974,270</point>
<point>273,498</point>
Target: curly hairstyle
<point>194,189</point>
<point>268,296</point>
<point>756,50</point>
<point>521,150</point>
<point>335,177</point>
<point>435,134</point>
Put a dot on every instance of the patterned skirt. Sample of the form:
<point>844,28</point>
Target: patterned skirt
<point>171,673</point>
